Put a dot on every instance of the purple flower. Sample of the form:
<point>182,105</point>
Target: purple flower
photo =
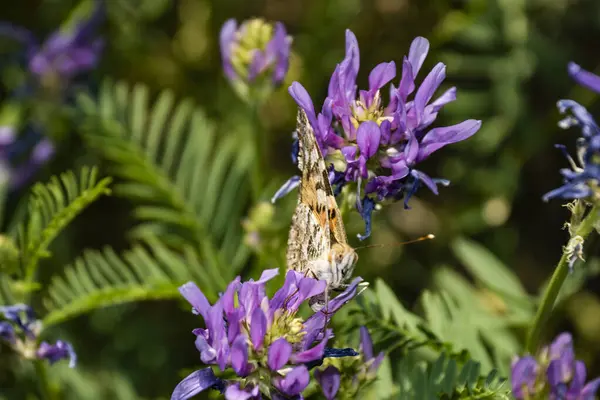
<point>64,54</point>
<point>556,371</point>
<point>524,374</point>
<point>58,351</point>
<point>254,50</point>
<point>581,180</point>
<point>22,156</point>
<point>197,382</point>
<point>391,139</point>
<point>262,340</point>
<point>366,346</point>
<point>329,380</point>
<point>21,331</point>
<point>566,375</point>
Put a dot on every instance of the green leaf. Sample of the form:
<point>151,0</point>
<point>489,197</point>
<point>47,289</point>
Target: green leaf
<point>443,378</point>
<point>52,207</point>
<point>488,269</point>
<point>391,308</point>
<point>190,186</point>
<point>149,271</point>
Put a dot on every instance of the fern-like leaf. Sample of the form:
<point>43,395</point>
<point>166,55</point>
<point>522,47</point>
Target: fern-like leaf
<point>51,208</point>
<point>445,378</point>
<point>149,271</point>
<point>190,187</point>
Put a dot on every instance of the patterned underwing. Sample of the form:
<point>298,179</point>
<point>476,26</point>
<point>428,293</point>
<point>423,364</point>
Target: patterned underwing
<point>317,243</point>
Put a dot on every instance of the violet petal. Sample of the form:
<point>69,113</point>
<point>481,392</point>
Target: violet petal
<point>194,383</point>
<point>279,354</point>
<point>329,380</point>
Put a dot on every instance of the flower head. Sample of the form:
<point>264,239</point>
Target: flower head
<point>582,179</point>
<point>65,53</point>
<point>255,54</point>
<point>20,330</point>
<point>382,144</point>
<point>555,374</point>
<point>262,340</point>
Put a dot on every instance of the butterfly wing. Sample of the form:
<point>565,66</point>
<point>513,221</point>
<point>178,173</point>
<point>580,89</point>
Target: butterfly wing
<point>311,230</point>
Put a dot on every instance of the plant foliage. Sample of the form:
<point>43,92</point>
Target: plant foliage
<point>445,378</point>
<point>51,208</point>
<point>197,198</point>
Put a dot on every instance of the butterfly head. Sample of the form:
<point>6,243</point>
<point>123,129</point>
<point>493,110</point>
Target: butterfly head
<point>342,259</point>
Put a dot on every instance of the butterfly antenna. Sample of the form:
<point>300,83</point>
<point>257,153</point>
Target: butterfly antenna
<point>426,237</point>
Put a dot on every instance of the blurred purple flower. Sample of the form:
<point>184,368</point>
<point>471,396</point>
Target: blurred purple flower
<point>58,351</point>
<point>366,347</point>
<point>581,180</point>
<point>262,340</point>
<point>254,49</point>
<point>64,54</point>
<point>390,139</point>
<point>556,371</point>
<point>566,375</point>
<point>18,161</point>
<point>21,331</point>
<point>523,377</point>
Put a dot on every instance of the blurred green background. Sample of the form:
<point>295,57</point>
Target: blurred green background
<point>508,59</point>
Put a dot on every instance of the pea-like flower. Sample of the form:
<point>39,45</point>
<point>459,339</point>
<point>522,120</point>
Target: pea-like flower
<point>554,374</point>
<point>381,144</point>
<point>255,56</point>
<point>582,180</point>
<point>262,340</point>
<point>65,53</point>
<point>20,330</point>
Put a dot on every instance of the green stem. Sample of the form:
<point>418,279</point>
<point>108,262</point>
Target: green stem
<point>558,278</point>
<point>259,149</point>
<point>43,382</point>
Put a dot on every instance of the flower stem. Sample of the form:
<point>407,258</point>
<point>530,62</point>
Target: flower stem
<point>42,377</point>
<point>259,149</point>
<point>558,278</point>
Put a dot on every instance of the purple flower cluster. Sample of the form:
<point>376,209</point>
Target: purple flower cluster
<point>21,330</point>
<point>583,178</point>
<point>22,156</point>
<point>65,53</point>
<point>262,340</point>
<point>382,144</point>
<point>554,375</point>
<point>253,50</point>
<point>366,367</point>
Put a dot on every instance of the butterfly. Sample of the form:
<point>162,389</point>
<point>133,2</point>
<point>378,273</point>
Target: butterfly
<point>317,242</point>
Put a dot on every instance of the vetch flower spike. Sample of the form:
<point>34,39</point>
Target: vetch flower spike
<point>381,145</point>
<point>65,53</point>
<point>581,181</point>
<point>255,56</point>
<point>264,341</point>
<point>553,374</point>
<point>21,331</point>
